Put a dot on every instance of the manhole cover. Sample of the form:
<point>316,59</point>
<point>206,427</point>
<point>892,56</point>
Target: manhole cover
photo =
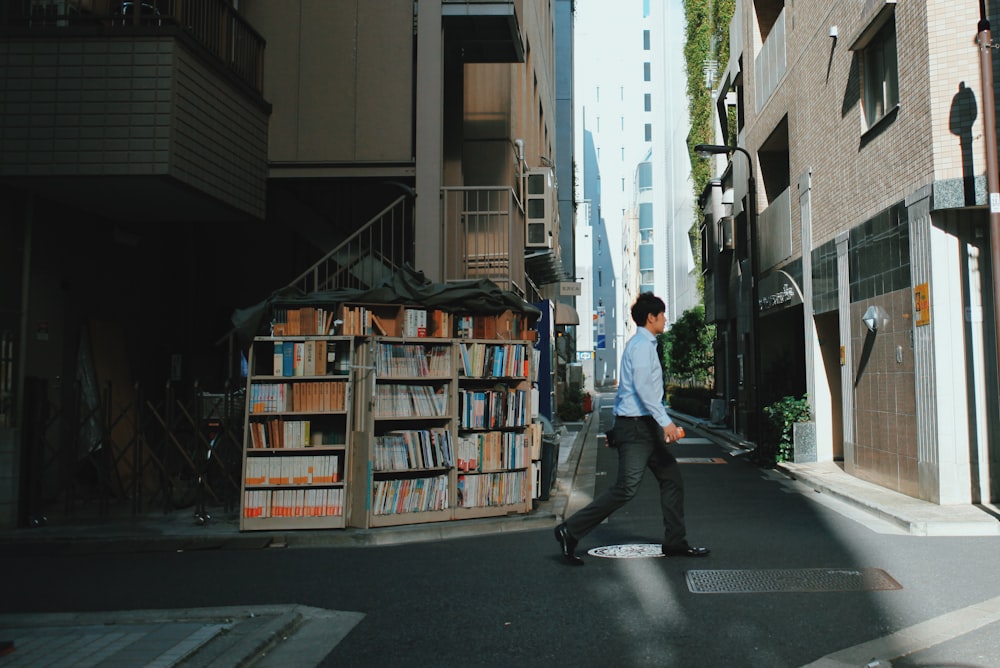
<point>790,580</point>
<point>635,551</point>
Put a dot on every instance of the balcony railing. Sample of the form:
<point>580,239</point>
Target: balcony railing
<point>775,231</point>
<point>213,24</point>
<point>769,65</point>
<point>484,236</point>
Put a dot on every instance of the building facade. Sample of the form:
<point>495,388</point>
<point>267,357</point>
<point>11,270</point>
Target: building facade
<point>628,85</point>
<point>163,168</point>
<point>857,196</point>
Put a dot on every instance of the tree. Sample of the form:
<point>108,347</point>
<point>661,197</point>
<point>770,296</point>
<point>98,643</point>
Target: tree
<point>687,346</point>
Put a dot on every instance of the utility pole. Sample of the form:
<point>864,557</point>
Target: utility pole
<point>992,177</point>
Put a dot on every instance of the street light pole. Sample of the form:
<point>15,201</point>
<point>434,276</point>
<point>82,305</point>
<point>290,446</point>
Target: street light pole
<point>722,149</point>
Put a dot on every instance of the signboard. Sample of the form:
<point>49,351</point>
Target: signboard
<point>601,340</point>
<point>584,355</point>
<point>569,289</point>
<point>778,291</point>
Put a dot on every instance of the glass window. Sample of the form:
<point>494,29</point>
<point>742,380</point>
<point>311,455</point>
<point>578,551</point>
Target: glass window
<point>880,74</point>
<point>647,72</point>
<point>648,131</point>
<point>645,40</point>
<point>645,175</point>
<point>647,102</point>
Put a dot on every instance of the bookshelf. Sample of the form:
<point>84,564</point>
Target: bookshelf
<point>404,452</point>
<point>356,414</point>
<point>493,446</point>
<point>297,421</point>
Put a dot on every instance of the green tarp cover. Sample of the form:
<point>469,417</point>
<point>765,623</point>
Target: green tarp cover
<point>407,286</point>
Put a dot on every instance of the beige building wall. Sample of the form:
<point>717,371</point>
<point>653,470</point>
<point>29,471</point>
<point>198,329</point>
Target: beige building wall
<point>326,108</point>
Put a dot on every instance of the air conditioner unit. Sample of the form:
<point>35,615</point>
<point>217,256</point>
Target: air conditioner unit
<point>541,212</point>
<point>727,233</point>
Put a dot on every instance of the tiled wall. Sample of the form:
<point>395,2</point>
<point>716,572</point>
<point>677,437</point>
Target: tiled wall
<point>885,445</point>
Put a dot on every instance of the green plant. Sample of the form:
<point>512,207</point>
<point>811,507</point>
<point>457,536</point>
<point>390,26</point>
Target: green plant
<point>570,408</point>
<point>777,439</point>
<point>687,346</point>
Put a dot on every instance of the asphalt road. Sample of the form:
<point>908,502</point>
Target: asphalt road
<point>779,589</point>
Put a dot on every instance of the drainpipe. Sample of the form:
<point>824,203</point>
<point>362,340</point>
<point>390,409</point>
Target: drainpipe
<point>992,177</point>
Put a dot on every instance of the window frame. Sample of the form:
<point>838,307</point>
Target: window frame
<point>877,49</point>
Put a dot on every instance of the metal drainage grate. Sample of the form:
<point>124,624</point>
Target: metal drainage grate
<point>790,580</point>
<point>701,460</point>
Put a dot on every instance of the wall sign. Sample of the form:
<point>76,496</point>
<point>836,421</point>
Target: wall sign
<point>922,305</point>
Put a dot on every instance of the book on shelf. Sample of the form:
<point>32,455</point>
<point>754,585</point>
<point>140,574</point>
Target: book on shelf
<point>319,358</point>
<point>439,324</point>
<point>414,322</point>
<point>309,358</point>
<point>278,358</point>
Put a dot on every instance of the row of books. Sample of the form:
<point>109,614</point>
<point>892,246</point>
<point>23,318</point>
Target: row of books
<point>278,433</point>
<point>304,321</point>
<point>397,320</point>
<point>413,449</point>
<point>311,358</point>
<point>507,325</point>
<point>491,489</point>
<point>322,502</point>
<point>412,359</point>
<point>409,322</point>
<point>492,409</point>
<point>311,397</point>
<point>412,495</point>
<point>491,451</point>
<point>410,401</point>
<point>304,470</point>
<point>497,360</point>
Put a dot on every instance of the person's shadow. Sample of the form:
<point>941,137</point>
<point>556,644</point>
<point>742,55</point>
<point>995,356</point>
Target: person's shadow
<point>960,121</point>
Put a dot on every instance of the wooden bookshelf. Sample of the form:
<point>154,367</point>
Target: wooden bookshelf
<point>408,439</point>
<point>297,422</point>
<point>355,414</point>
<point>493,444</point>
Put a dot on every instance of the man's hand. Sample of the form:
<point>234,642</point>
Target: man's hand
<point>672,432</point>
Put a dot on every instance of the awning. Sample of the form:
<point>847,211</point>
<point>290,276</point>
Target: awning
<point>566,314</point>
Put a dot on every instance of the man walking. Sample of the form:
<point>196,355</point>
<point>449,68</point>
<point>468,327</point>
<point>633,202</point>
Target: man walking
<point>641,431</point>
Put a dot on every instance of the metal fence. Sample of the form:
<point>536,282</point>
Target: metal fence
<point>108,454</point>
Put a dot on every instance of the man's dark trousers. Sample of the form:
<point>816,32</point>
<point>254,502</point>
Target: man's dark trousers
<point>640,444</point>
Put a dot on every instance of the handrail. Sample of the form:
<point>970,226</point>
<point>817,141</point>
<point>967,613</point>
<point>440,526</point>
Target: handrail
<point>375,251</point>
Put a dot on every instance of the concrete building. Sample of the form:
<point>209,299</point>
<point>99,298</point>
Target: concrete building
<point>632,107</point>
<point>163,168</point>
<point>858,197</point>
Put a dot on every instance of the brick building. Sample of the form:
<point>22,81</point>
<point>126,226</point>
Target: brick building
<point>862,127</point>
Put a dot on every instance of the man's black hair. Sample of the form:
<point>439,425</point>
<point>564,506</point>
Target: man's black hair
<point>645,305</point>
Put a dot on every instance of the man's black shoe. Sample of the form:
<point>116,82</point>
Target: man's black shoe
<point>685,551</point>
<point>568,544</point>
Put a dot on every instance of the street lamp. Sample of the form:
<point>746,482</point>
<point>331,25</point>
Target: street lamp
<point>706,150</point>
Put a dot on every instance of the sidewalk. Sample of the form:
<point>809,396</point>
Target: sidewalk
<point>277,636</point>
<point>914,516</point>
<point>300,635</point>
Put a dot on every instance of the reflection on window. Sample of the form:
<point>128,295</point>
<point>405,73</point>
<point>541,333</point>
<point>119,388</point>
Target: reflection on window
<point>880,74</point>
